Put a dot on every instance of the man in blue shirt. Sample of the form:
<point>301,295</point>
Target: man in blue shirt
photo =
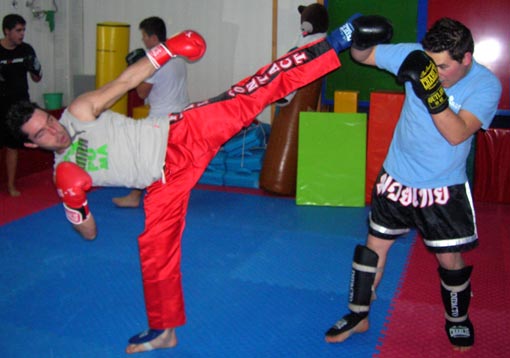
<point>423,182</point>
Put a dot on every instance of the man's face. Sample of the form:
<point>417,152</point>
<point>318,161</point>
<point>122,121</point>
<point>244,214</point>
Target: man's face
<point>149,41</point>
<point>46,132</point>
<point>450,71</point>
<point>15,35</point>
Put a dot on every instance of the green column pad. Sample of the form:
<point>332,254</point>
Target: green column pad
<point>331,159</point>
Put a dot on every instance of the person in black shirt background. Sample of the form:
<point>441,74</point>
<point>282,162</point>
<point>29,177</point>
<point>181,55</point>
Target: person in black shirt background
<point>17,58</point>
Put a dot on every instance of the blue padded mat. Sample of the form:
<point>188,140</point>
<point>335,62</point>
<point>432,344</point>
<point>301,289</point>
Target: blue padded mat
<point>262,278</point>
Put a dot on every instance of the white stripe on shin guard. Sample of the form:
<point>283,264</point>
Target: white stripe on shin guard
<point>364,268</point>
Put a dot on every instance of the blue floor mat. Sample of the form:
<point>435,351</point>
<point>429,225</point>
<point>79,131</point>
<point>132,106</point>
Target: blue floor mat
<point>262,278</point>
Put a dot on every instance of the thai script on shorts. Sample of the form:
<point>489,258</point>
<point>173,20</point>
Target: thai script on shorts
<point>407,196</point>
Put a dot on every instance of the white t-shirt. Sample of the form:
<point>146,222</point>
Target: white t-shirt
<point>169,91</point>
<point>117,150</point>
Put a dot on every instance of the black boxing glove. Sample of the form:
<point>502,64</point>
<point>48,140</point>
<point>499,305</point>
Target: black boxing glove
<point>371,30</point>
<point>421,71</point>
<point>134,56</point>
<point>32,65</point>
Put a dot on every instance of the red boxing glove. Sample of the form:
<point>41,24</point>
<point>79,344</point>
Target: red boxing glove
<point>72,182</point>
<point>188,44</point>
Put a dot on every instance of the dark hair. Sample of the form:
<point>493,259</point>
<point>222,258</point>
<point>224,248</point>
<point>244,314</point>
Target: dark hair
<point>11,20</point>
<point>154,26</point>
<point>449,35</point>
<point>17,115</point>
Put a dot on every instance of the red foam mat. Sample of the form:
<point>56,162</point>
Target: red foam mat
<point>37,193</point>
<point>415,326</point>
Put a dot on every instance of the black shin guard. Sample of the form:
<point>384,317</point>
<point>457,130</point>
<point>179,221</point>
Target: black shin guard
<point>364,268</point>
<point>456,295</point>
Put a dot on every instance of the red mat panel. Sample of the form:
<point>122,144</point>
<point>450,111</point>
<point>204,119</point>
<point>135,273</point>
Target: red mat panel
<point>29,161</point>
<point>383,115</point>
<point>415,326</point>
<point>492,166</point>
<point>37,193</point>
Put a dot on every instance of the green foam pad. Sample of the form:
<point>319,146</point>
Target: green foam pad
<point>331,159</point>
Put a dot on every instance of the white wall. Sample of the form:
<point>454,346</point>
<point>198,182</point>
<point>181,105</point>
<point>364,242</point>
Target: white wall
<point>238,35</point>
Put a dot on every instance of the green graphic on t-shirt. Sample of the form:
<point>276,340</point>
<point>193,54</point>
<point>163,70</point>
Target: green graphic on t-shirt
<point>89,159</point>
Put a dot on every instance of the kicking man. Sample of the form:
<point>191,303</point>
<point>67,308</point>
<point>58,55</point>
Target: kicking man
<point>95,146</point>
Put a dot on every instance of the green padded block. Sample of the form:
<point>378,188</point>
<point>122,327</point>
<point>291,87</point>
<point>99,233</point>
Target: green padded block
<point>331,159</point>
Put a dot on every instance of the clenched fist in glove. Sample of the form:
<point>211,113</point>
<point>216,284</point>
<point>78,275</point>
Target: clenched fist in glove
<point>421,71</point>
<point>32,65</point>
<point>188,44</point>
<point>370,30</point>
<point>134,56</point>
<point>72,183</point>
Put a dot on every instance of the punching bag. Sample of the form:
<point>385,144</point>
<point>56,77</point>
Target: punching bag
<point>279,170</point>
<point>112,45</point>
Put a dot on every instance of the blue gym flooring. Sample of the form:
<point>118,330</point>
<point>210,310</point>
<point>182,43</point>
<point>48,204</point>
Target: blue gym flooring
<point>262,277</point>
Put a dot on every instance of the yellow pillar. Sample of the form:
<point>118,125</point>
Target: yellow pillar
<point>112,46</point>
<point>141,112</point>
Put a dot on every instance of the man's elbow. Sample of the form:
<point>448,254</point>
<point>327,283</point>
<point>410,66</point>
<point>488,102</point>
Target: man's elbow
<point>454,141</point>
<point>88,229</point>
<point>89,236</point>
<point>142,93</point>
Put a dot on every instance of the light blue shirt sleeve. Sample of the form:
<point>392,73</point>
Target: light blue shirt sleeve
<point>390,57</point>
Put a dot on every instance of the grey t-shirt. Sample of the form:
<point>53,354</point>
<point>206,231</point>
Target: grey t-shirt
<point>117,150</point>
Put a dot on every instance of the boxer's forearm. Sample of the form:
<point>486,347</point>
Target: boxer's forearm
<point>366,57</point>
<point>130,78</point>
<point>87,229</point>
<point>90,105</point>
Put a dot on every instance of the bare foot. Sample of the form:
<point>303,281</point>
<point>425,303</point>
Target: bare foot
<point>132,200</point>
<point>167,339</point>
<point>361,327</point>
<point>13,191</point>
